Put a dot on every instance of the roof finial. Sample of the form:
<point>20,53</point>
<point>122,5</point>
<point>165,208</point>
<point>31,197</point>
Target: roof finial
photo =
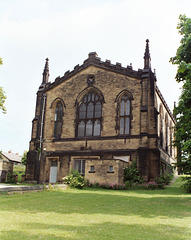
<point>46,72</point>
<point>174,110</point>
<point>147,58</point>
<point>174,104</point>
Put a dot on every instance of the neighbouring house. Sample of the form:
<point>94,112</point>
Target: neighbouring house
<point>7,162</point>
<point>98,118</point>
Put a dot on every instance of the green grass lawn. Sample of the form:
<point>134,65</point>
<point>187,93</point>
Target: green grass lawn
<point>97,214</point>
<point>19,170</point>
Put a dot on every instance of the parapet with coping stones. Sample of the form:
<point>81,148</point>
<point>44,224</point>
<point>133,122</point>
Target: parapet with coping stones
<point>93,59</point>
<point>165,104</point>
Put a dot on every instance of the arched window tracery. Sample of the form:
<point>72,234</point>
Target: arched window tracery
<point>58,121</point>
<point>124,115</point>
<point>123,119</point>
<point>89,115</point>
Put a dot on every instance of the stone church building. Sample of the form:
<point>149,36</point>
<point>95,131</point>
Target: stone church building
<point>97,119</point>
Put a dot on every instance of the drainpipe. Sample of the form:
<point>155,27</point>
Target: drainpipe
<point>41,133</point>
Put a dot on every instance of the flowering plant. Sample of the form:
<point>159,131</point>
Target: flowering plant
<point>74,180</point>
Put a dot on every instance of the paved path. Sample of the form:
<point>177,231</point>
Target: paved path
<point>21,188</point>
<point>174,179</point>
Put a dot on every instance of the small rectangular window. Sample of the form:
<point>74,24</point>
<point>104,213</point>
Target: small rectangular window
<point>92,169</point>
<point>110,169</point>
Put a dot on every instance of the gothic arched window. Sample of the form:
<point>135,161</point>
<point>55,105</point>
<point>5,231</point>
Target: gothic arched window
<point>161,137</point>
<point>89,114</point>
<point>161,132</point>
<point>166,133</point>
<point>124,115</point>
<point>58,120</point>
<point>171,137</point>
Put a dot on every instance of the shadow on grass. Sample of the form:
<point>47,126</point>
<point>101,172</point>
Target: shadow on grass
<point>146,204</point>
<point>103,231</point>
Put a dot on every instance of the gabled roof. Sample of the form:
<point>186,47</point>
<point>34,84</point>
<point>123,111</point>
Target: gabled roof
<point>94,60</point>
<point>12,157</point>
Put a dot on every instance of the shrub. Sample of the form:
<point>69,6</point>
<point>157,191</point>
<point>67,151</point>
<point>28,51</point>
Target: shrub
<point>152,185</point>
<point>147,186</point>
<point>167,178</point>
<point>104,186</point>
<point>50,187</point>
<point>74,180</point>
<point>11,178</point>
<point>113,186</point>
<point>187,185</point>
<point>132,174</point>
<point>128,184</point>
<point>164,179</point>
<point>93,185</point>
<point>116,186</point>
<point>160,186</point>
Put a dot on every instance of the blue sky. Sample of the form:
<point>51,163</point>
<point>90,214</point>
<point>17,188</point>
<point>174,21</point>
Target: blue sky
<point>65,31</point>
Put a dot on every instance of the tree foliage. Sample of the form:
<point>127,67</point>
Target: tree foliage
<point>183,109</point>
<point>24,158</point>
<point>2,95</point>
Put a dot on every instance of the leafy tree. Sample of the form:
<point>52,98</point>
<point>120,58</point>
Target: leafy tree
<point>183,109</point>
<point>24,158</point>
<point>2,95</point>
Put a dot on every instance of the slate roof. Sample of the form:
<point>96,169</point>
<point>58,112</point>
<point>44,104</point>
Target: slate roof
<point>12,157</point>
